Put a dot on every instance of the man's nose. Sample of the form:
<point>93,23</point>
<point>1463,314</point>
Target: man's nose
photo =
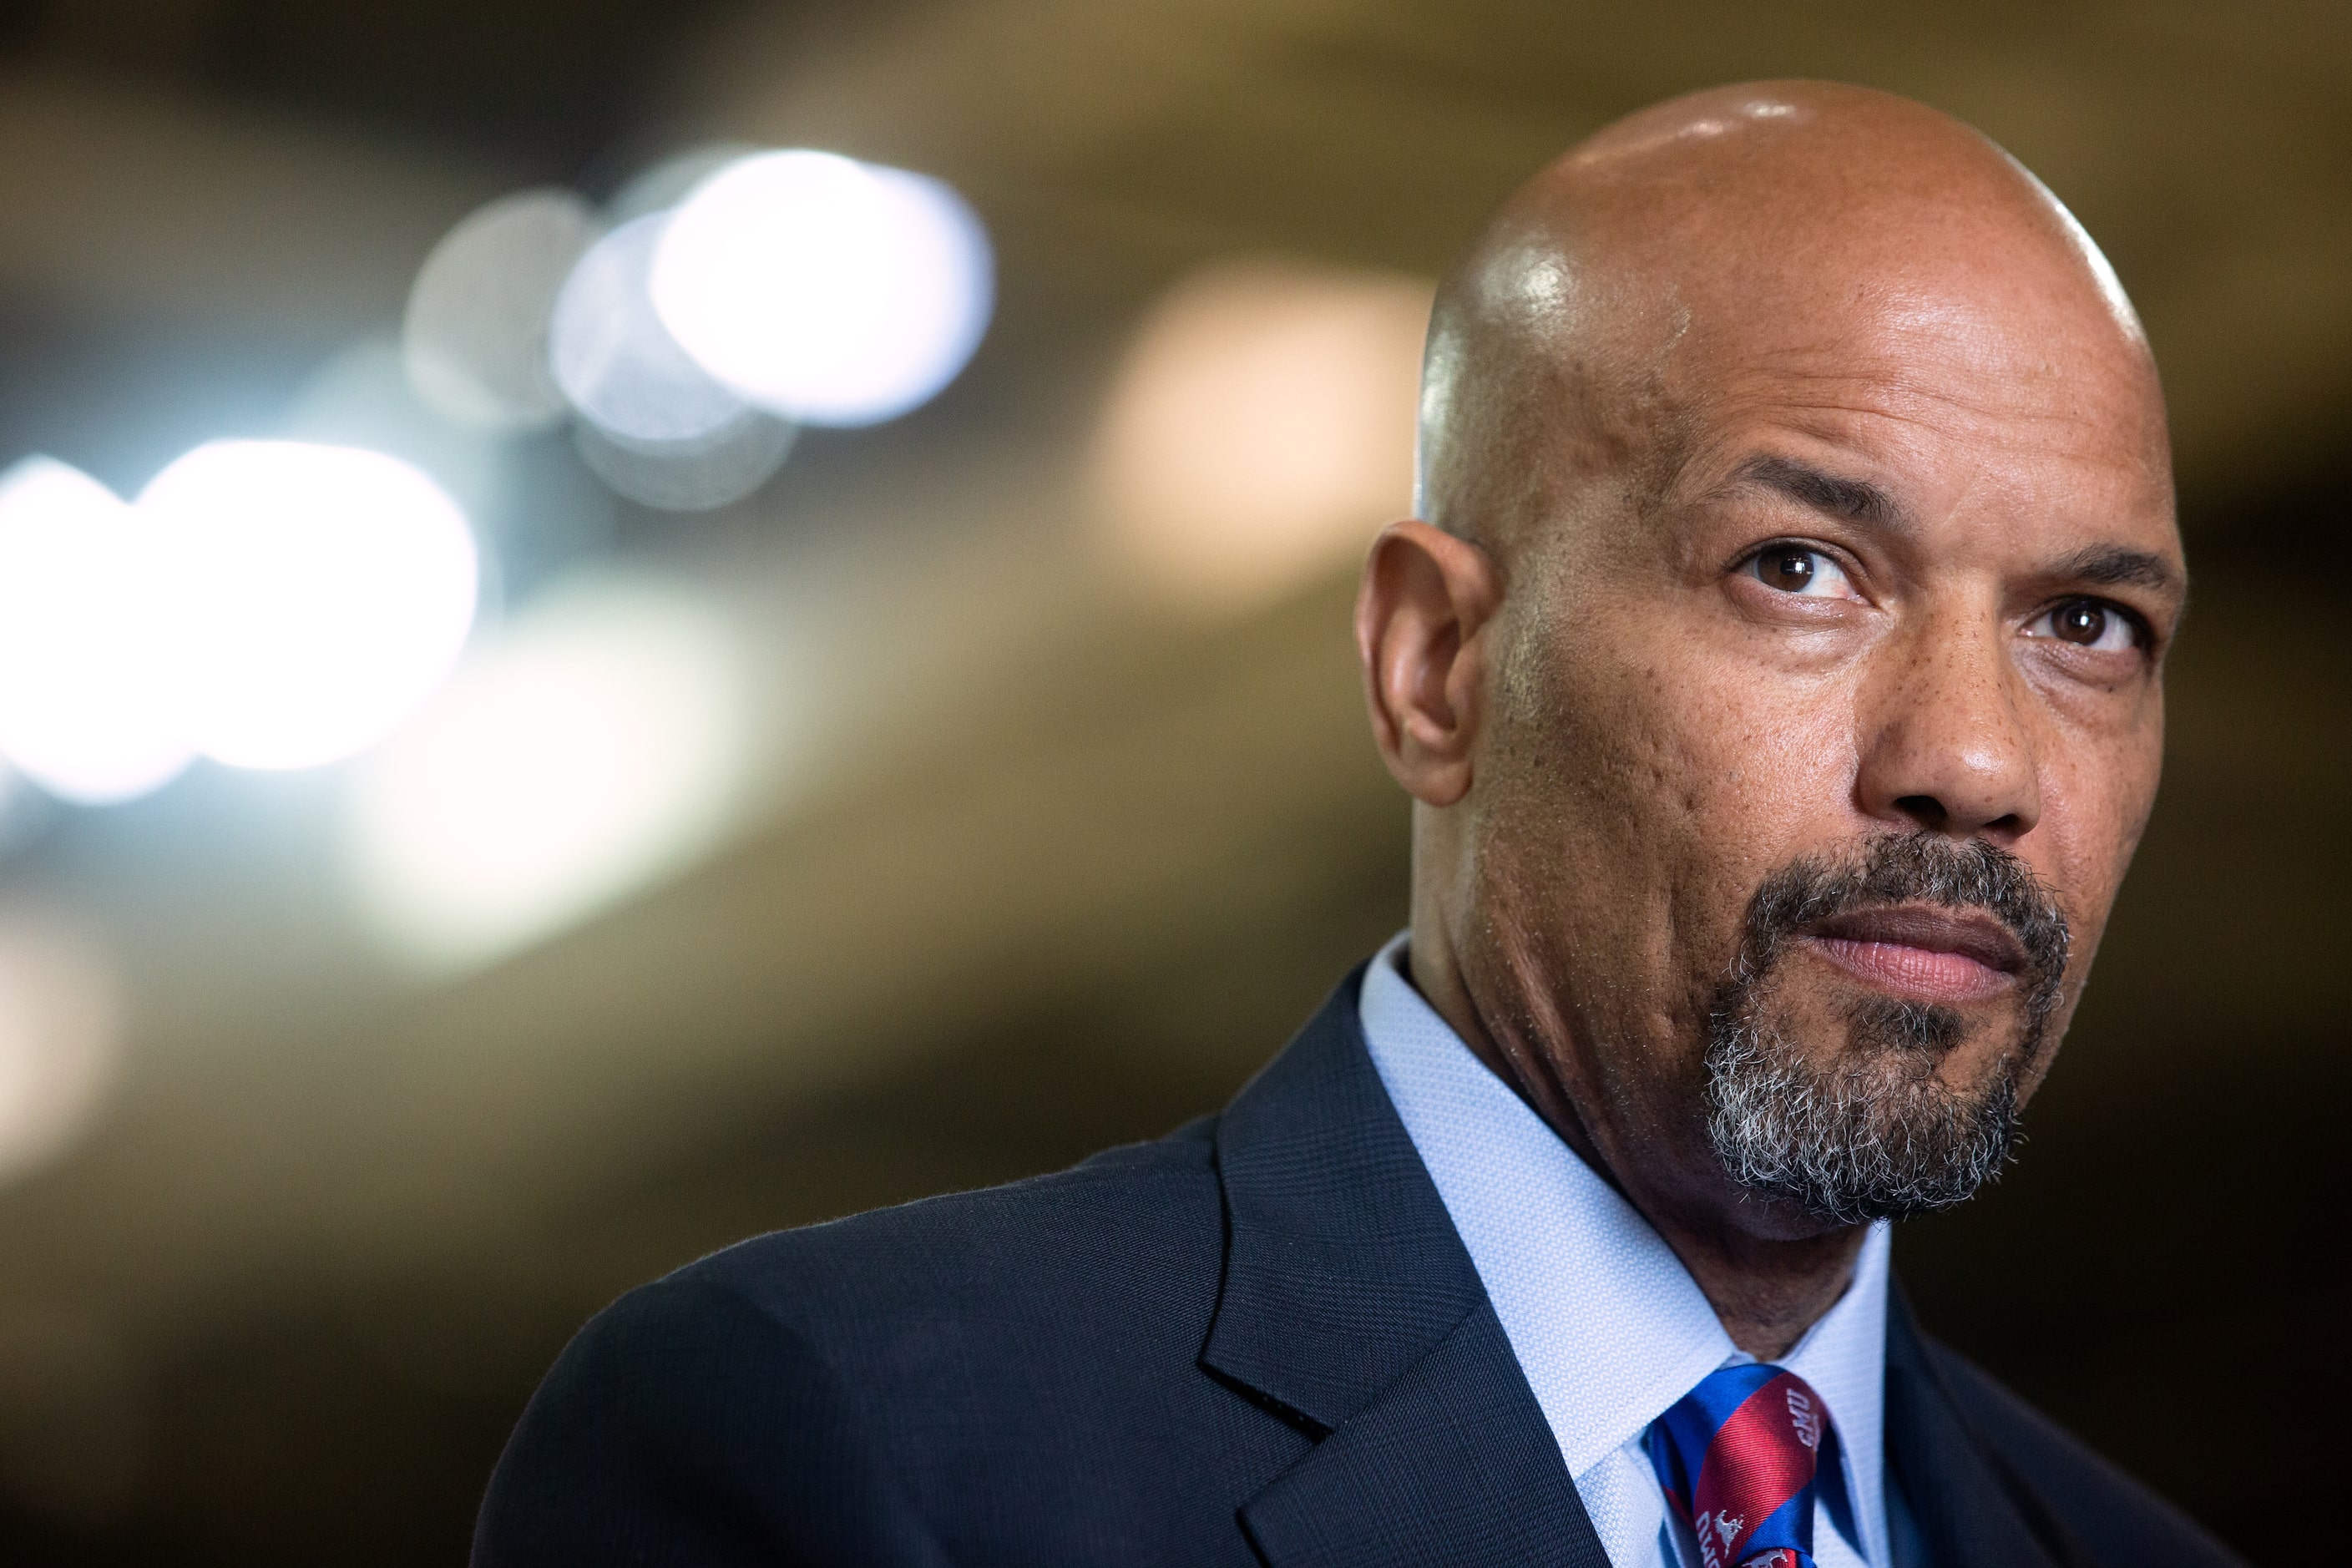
<point>1948,744</point>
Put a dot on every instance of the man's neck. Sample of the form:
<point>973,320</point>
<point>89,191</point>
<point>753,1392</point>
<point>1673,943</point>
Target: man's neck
<point>1765,1290</point>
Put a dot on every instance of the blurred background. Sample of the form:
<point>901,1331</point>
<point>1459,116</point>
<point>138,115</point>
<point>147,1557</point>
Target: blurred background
<point>710,790</point>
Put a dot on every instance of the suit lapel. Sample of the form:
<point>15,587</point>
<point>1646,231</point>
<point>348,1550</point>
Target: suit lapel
<point>1972,1509</point>
<point>1451,1464</point>
<point>1350,1305</point>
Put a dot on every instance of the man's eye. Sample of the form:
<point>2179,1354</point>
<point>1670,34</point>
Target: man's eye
<point>2086,623</point>
<point>1797,569</point>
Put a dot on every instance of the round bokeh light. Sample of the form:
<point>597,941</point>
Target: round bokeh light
<point>616,362</point>
<point>321,593</point>
<point>474,336</point>
<point>823,290</point>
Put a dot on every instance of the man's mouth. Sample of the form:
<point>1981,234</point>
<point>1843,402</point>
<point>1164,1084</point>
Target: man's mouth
<point>1923,951</point>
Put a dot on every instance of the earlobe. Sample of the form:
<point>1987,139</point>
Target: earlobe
<point>1425,597</point>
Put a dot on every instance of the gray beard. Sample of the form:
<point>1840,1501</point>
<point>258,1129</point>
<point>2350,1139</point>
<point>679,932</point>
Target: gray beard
<point>1874,1136</point>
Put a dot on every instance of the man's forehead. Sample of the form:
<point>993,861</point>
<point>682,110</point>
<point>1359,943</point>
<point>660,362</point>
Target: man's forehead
<point>1932,385</point>
<point>2082,429</point>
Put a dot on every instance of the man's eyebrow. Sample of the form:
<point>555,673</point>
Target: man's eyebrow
<point>1856,501</point>
<point>2118,566</point>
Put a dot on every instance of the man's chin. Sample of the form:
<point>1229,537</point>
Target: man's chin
<point>1914,1113</point>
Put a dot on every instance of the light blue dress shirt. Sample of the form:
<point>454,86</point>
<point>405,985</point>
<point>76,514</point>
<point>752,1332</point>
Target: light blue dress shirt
<point>1608,1326</point>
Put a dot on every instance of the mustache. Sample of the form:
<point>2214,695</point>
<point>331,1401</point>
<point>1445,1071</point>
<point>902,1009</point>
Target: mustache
<point>1914,869</point>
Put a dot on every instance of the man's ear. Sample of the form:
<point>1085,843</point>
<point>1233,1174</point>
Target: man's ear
<point>1425,597</point>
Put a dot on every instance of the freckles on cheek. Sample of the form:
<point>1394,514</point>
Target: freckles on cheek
<point>1684,773</point>
<point>1765,767</point>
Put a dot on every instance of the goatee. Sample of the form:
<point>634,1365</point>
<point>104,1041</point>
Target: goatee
<point>1876,1134</point>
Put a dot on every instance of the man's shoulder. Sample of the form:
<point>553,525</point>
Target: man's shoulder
<point>2119,1520</point>
<point>873,1386</point>
<point>1140,1217</point>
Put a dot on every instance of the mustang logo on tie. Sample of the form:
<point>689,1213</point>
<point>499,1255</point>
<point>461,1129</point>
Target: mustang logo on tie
<point>1715,1533</point>
<point>1805,1417</point>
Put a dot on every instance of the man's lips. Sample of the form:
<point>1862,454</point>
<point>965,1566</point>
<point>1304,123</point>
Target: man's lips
<point>1923,950</point>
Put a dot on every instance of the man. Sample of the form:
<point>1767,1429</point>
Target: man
<point>1776,670</point>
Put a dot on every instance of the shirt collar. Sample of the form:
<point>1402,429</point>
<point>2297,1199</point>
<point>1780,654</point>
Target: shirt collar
<point>1607,1324</point>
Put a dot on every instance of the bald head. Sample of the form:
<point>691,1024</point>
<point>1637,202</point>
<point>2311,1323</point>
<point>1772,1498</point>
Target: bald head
<point>1775,224</point>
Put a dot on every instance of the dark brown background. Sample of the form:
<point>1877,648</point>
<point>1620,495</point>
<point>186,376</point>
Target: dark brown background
<point>336,1225</point>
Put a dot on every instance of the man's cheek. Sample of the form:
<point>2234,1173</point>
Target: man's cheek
<point>1771,787</point>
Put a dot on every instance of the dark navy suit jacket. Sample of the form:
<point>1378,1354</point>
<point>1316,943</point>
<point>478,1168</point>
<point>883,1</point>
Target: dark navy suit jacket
<point>1255,1341</point>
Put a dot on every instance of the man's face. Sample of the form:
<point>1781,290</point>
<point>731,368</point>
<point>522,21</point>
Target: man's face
<point>1817,755</point>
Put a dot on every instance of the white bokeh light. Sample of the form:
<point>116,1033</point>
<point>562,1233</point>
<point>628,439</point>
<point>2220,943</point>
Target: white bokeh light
<point>596,746</point>
<point>84,712</point>
<point>823,290</point>
<point>475,337</point>
<point>615,360</point>
<point>320,592</point>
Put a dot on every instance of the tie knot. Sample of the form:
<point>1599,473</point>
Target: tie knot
<point>1738,1456</point>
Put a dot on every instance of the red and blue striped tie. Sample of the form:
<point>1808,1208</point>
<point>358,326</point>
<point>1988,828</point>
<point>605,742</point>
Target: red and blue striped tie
<point>1737,1456</point>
